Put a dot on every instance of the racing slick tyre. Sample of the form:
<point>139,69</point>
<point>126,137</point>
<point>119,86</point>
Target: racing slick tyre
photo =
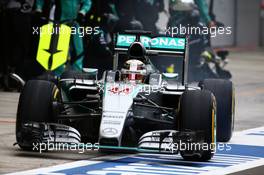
<point>197,113</point>
<point>35,105</point>
<point>223,91</point>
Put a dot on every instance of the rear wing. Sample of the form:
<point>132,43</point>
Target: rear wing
<point>155,45</point>
<point>158,44</point>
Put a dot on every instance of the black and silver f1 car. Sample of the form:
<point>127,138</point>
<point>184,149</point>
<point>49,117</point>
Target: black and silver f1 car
<point>133,107</point>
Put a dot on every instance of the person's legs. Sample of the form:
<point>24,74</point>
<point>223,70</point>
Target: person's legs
<point>77,51</point>
<point>7,41</point>
<point>22,32</point>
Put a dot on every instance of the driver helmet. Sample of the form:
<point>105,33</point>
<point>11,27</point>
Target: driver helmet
<point>134,71</point>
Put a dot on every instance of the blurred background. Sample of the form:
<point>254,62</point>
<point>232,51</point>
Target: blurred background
<point>238,56</point>
<point>19,18</point>
<point>246,19</point>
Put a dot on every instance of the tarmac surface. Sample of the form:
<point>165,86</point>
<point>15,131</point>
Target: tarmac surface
<point>247,68</point>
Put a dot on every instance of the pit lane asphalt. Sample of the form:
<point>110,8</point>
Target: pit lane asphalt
<point>248,76</point>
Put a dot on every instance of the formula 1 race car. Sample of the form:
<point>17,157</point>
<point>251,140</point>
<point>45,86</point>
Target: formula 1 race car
<point>134,107</point>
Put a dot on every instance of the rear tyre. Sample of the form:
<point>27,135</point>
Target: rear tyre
<point>223,91</point>
<point>197,112</point>
<point>35,105</point>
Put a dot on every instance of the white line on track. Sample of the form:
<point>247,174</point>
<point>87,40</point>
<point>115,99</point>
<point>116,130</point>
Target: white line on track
<point>232,161</point>
<point>236,168</point>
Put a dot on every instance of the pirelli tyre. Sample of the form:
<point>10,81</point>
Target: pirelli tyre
<point>197,112</point>
<point>35,106</point>
<point>224,93</point>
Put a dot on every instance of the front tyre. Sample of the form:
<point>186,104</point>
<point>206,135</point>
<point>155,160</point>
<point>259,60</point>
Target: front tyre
<point>197,112</point>
<point>35,105</point>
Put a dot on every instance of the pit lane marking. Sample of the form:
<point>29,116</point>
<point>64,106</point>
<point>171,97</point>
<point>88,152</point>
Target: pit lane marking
<point>236,168</point>
<point>242,157</point>
<point>48,170</point>
<point>7,120</point>
<point>250,93</point>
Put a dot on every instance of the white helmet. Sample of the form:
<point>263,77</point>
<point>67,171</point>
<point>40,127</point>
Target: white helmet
<point>134,71</point>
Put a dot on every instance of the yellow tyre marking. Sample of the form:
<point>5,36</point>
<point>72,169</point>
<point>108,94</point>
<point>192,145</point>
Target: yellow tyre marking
<point>214,122</point>
<point>55,95</point>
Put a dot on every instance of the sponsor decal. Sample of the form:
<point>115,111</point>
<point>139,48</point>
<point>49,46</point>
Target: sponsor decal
<point>110,131</point>
<point>113,116</point>
<point>152,43</point>
<point>109,122</point>
<point>118,90</point>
